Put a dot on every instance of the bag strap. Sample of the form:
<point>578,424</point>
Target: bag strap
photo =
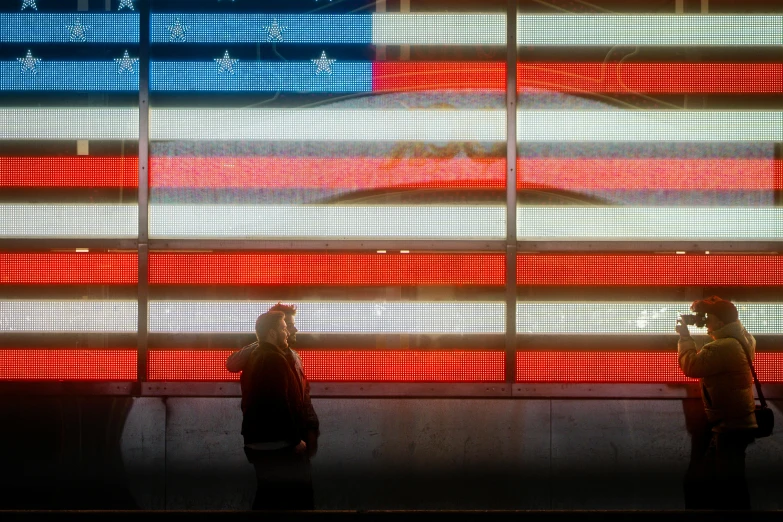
<point>753,371</point>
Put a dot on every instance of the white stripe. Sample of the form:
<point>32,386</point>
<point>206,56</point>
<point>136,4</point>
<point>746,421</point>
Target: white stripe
<point>633,30</point>
<point>69,124</point>
<point>438,29</point>
<point>629,126</point>
<point>333,221</point>
<point>327,125</point>
<point>68,221</point>
<point>68,316</point>
<point>350,317</point>
<point>632,318</point>
<point>363,317</point>
<point>393,125</point>
<point>613,223</point>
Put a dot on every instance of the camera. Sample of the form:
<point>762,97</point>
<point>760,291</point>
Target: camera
<point>698,320</point>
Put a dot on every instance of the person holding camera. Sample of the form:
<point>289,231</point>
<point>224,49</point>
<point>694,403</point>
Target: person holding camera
<point>726,381</point>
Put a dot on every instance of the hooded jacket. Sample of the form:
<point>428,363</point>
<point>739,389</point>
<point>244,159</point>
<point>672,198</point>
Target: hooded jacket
<point>724,374</point>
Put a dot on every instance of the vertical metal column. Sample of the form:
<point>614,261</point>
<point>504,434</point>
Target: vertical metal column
<point>511,191</point>
<point>144,148</point>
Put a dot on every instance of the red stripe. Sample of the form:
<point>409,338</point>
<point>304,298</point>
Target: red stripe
<point>464,269</point>
<point>69,268</point>
<point>391,269</point>
<point>78,171</point>
<point>71,365</point>
<point>739,78</point>
<point>620,367</point>
<point>736,78</point>
<point>650,270</point>
<point>327,269</point>
<point>440,168</point>
<point>342,365</point>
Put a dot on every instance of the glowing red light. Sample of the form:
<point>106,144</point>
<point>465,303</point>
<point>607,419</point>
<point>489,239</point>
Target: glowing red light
<point>655,270</point>
<point>327,269</point>
<point>77,171</point>
<point>67,365</point>
<point>69,268</point>
<point>621,367</point>
<point>342,365</point>
<point>411,172</point>
<point>740,78</point>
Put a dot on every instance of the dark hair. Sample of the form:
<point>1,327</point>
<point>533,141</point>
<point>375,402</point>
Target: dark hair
<point>266,322</point>
<point>286,309</point>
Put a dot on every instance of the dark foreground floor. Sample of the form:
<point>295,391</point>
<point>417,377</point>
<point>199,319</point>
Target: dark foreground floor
<point>396,516</point>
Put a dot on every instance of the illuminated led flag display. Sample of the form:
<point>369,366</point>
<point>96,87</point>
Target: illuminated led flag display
<point>392,125</point>
<point>346,76</point>
<point>342,365</point>
<point>368,317</point>
<point>68,316</point>
<point>169,268</point>
<point>74,171</point>
<point>467,29</point>
<point>69,268</point>
<point>326,269</point>
<point>649,125</point>
<point>347,317</point>
<point>326,221</point>
<point>627,223</point>
<point>643,30</point>
<point>68,221</point>
<point>69,123</point>
<point>326,124</point>
<point>622,367</point>
<point>261,76</point>
<point>368,173</point>
<point>361,28</point>
<point>68,28</point>
<point>70,76</point>
<point>650,270</point>
<point>67,365</point>
<point>574,318</point>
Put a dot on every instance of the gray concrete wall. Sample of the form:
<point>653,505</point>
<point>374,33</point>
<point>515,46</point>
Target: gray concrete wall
<point>186,453</point>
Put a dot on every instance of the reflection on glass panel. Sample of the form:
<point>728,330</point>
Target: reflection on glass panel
<point>404,317</point>
<point>656,124</point>
<point>332,120</point>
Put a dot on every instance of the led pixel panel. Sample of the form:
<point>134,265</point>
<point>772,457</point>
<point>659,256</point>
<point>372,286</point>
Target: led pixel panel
<point>628,223</point>
<point>628,318</point>
<point>326,221</point>
<point>622,367</point>
<point>344,317</point>
<point>69,123</point>
<point>342,365</point>
<point>643,30</point>
<point>19,220</point>
<point>67,365</point>
<point>73,171</point>
<point>327,124</point>
<point>69,268</point>
<point>326,269</point>
<point>650,270</point>
<point>69,28</point>
<point>649,125</point>
<point>630,77</point>
<point>18,316</point>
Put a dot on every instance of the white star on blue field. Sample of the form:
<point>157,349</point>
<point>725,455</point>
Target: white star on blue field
<point>226,64</point>
<point>324,64</point>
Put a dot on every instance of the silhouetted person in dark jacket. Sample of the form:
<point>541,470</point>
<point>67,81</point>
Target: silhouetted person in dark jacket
<point>274,423</point>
